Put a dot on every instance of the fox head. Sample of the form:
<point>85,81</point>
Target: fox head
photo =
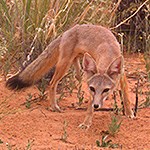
<point>101,85</point>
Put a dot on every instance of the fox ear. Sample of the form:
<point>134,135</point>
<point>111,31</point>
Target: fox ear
<point>115,68</point>
<point>89,64</point>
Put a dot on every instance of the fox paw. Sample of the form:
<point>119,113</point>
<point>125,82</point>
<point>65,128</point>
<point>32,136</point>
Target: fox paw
<point>84,126</point>
<point>87,122</point>
<point>55,108</point>
<point>130,114</point>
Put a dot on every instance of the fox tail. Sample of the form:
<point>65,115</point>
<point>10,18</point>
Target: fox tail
<point>37,69</point>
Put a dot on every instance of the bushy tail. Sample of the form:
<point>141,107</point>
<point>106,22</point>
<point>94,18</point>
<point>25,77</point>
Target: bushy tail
<point>37,69</point>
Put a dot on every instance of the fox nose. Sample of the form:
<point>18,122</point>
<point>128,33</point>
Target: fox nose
<point>96,106</point>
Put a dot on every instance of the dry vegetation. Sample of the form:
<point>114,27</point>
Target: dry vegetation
<point>27,27</point>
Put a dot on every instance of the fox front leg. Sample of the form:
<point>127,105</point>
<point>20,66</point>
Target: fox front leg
<point>88,119</point>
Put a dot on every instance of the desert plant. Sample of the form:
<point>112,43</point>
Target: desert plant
<point>114,126</point>
<point>146,102</point>
<point>64,134</point>
<point>42,88</point>
<point>106,143</point>
<point>29,145</point>
<point>67,84</point>
<point>80,94</point>
<point>28,100</point>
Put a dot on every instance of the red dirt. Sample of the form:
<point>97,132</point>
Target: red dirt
<point>41,129</point>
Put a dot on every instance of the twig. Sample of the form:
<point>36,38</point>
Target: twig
<point>43,113</point>
<point>136,101</point>
<point>36,99</point>
<point>113,13</point>
<point>130,16</point>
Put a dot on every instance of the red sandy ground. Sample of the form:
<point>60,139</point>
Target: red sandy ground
<point>43,129</point>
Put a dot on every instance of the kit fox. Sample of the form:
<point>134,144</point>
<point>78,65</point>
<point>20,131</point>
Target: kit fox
<point>102,63</point>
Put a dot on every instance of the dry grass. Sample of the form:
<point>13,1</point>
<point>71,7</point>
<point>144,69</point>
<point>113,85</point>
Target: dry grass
<point>26,27</point>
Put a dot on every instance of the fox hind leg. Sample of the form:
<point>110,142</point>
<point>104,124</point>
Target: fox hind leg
<point>62,67</point>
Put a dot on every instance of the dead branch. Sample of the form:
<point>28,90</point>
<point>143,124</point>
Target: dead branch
<point>130,16</point>
<point>113,13</point>
<point>36,99</point>
<point>136,101</point>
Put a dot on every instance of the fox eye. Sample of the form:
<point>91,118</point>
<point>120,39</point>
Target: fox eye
<point>92,89</point>
<point>106,90</point>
